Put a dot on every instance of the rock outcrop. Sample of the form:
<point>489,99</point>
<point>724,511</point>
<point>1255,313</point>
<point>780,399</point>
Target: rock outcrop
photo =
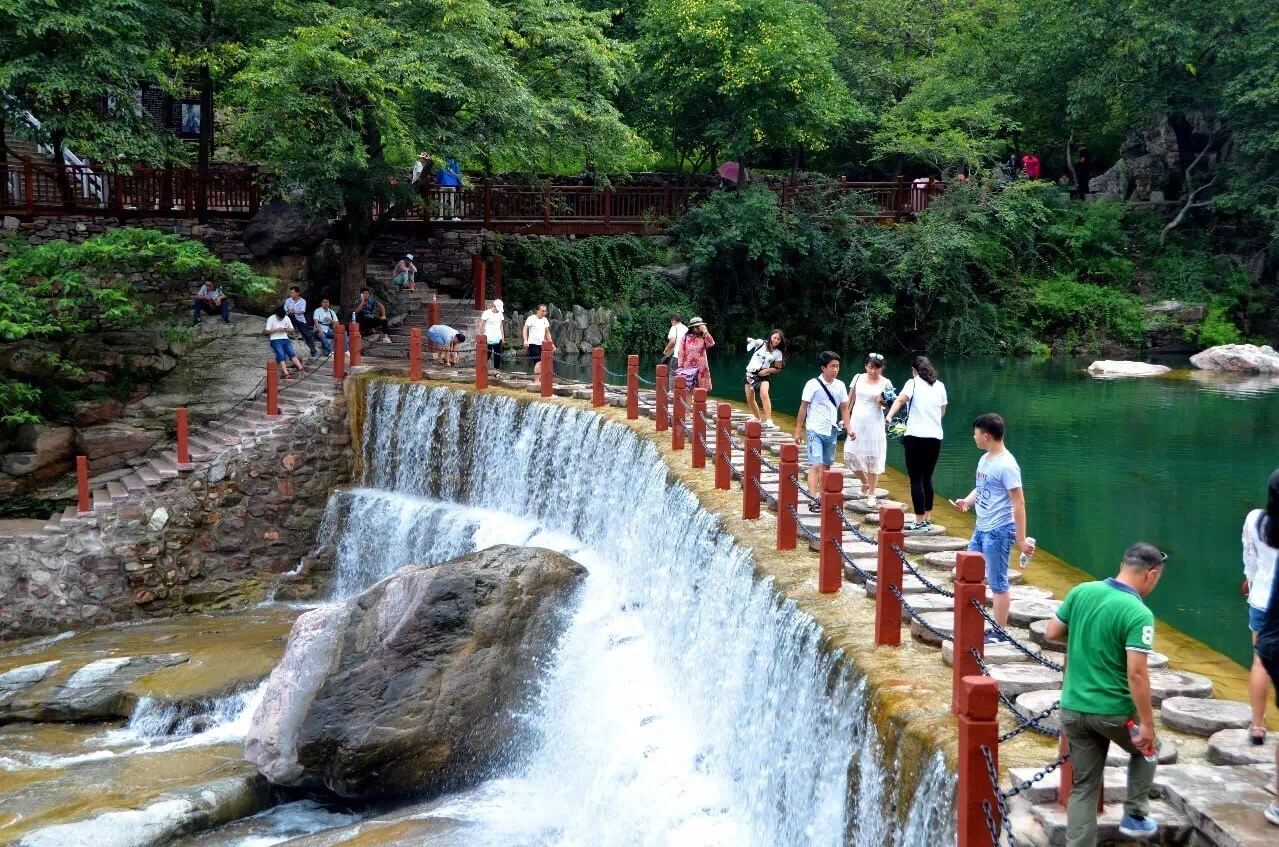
<point>283,227</point>
<point>1110,369</point>
<point>411,685</point>
<point>1238,358</point>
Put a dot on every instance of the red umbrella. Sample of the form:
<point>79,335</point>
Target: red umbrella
<point>729,171</point>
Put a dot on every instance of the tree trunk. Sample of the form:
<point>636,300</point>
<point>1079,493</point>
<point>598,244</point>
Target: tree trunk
<point>355,262</point>
<point>206,119</point>
<point>63,178</point>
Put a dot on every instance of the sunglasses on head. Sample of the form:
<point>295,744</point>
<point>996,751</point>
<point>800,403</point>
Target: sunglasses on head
<point>876,357</point>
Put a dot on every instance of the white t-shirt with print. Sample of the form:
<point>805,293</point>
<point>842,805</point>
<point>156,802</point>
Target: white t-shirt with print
<point>761,356</point>
<point>676,335</point>
<point>279,327</point>
<point>927,402</point>
<point>491,320</point>
<point>1259,562</point>
<point>537,328</point>
<point>823,416</point>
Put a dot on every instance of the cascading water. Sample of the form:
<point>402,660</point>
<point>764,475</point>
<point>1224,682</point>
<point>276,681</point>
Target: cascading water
<point>687,703</point>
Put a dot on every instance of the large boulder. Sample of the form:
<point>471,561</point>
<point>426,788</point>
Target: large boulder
<point>282,227</point>
<point>1111,369</point>
<point>412,685</point>
<point>110,446</point>
<point>1238,358</point>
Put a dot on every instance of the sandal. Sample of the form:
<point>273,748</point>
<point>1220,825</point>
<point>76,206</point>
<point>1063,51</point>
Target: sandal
<point>1257,740</point>
<point>815,508</point>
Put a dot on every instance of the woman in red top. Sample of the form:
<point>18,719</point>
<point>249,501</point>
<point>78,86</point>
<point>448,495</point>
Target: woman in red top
<point>692,351</point>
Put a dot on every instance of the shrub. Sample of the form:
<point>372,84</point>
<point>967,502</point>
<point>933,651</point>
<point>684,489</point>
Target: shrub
<point>588,272</point>
<point>1063,307</point>
<point>1217,328</point>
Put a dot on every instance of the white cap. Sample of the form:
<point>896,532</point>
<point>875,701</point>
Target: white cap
<point>497,304</point>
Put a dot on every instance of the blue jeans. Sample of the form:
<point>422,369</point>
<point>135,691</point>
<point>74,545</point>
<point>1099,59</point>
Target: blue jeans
<point>324,334</point>
<point>1256,618</point>
<point>283,349</point>
<point>997,546</point>
<point>821,448</point>
<point>202,306</point>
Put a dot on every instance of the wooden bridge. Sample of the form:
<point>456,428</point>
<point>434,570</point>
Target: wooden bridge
<point>29,189</point>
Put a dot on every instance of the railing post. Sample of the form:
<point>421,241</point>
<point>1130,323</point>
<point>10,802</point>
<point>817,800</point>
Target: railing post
<point>787,497</point>
<point>699,427</point>
<point>184,444</point>
<point>481,363</point>
<point>608,206</point>
<point>433,311</point>
<point>117,194</point>
<point>339,352</point>
<point>272,389</point>
<point>830,570</point>
<point>660,376</point>
<point>677,425</point>
<point>488,205</point>
<point>353,332</point>
<point>415,353</point>
<point>83,504</point>
<point>969,627</point>
<point>901,199</point>
<point>548,367</point>
<point>723,447</point>
<point>478,281</point>
<point>1066,775</point>
<point>888,609</point>
<point>978,728</point>
<point>597,376</point>
<point>28,184</point>
<point>750,470</point>
<point>666,199</point>
<point>632,387</point>
<point>546,205</point>
<point>497,277</point>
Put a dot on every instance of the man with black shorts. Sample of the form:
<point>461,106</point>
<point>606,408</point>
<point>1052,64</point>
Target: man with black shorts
<point>537,331</point>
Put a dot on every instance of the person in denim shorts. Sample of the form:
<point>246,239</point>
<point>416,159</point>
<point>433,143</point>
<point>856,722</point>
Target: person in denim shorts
<point>1001,510</point>
<point>820,411</point>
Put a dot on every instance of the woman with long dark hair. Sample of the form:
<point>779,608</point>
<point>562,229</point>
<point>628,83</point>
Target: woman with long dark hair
<point>924,397</point>
<point>767,358</point>
<point>1260,547</point>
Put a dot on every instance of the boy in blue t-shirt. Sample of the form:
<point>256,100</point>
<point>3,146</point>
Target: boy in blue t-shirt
<point>1001,509</point>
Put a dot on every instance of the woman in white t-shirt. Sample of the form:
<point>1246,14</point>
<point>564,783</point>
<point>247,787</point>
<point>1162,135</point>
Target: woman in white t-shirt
<point>1260,550</point>
<point>867,444</point>
<point>768,356</point>
<point>278,329</point>
<point>925,399</point>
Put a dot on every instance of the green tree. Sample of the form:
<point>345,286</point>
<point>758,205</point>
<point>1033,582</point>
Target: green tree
<point>737,77</point>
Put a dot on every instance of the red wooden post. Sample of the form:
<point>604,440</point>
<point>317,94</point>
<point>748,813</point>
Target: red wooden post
<point>497,277</point>
<point>481,363</point>
<point>83,505</point>
<point>787,497</point>
<point>888,609</point>
<point>354,332</point>
<point>699,427</point>
<point>723,447</point>
<point>677,425</point>
<point>608,206</point>
<point>978,728</point>
<point>830,572</point>
<point>272,390</point>
<point>666,199</point>
<point>488,205</point>
<point>184,446</point>
<point>546,205</point>
<point>970,626</point>
<point>478,282</point>
<point>433,311</point>
<point>900,203</point>
<point>1066,774</point>
<point>597,376</point>
<point>548,367</point>
<point>339,352</point>
<point>750,470</point>
<point>415,353</point>
<point>632,387</point>
<point>660,376</point>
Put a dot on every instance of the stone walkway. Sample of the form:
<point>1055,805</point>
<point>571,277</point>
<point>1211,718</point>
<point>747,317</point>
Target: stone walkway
<point>1213,783</point>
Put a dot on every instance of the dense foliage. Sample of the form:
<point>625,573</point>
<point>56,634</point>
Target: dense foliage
<point>59,291</point>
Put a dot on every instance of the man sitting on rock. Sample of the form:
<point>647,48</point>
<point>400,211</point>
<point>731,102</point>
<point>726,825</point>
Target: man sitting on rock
<point>325,319</point>
<point>211,299</point>
<point>370,314</point>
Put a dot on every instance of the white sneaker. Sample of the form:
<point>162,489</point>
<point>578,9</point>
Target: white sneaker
<point>872,502</point>
<point>752,419</point>
<point>386,339</point>
<point>768,424</point>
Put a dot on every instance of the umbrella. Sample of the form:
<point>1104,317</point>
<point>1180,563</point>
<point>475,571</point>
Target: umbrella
<point>729,171</point>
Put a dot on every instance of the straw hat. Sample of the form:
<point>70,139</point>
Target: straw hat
<point>695,322</point>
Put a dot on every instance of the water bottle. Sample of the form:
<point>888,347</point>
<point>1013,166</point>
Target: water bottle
<point>1133,731</point>
<point>1025,557</point>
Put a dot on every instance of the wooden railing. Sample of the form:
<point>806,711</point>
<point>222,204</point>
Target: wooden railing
<point>29,188</point>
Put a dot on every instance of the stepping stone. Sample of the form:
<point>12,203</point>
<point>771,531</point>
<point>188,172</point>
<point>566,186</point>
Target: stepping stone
<point>943,561</point>
<point>1174,828</point>
<point>913,589</point>
<point>927,602</point>
<point>1204,716</point>
<point>994,654</point>
<point>1156,661</point>
<point>933,543</point>
<point>854,547</point>
<point>1019,678</point>
<point>1025,612</point>
<point>1045,791</point>
<point>859,505</point>
<point>882,494</point>
<point>1039,635</point>
<point>1169,683</point>
<point>1223,803</point>
<point>1232,747</point>
<point>1166,753</point>
<point>1032,703</point>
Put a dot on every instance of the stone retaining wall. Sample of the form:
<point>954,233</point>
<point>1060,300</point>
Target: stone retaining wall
<point>223,237</point>
<point>213,539</point>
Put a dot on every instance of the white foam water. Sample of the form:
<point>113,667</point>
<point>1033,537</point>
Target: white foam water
<point>687,702</point>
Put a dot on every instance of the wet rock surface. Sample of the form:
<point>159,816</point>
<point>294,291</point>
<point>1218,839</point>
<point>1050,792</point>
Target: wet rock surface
<point>409,685</point>
<point>1238,358</point>
<point>1232,747</point>
<point>1204,716</point>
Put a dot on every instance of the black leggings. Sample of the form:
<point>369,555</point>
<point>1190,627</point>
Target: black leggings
<point>921,461</point>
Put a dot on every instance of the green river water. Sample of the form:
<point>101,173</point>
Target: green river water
<point>1176,460</point>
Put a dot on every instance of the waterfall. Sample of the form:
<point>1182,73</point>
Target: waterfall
<point>688,703</point>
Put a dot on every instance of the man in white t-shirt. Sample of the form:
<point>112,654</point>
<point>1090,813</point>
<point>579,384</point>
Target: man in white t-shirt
<point>537,331</point>
<point>821,409</point>
<point>210,298</point>
<point>295,308</point>
<point>673,339</point>
<point>490,326</point>
<point>324,319</point>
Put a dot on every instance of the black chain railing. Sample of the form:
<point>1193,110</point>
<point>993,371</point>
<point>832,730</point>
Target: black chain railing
<point>1000,799</point>
<point>804,492</point>
<point>848,560</point>
<point>764,463</point>
<point>808,533</point>
<point>855,530</point>
<point>1024,723</point>
<point>1007,636</point>
<point>913,571</point>
<point>916,616</point>
<point>764,495</point>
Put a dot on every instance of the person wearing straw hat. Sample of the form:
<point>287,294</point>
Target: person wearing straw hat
<point>692,355</point>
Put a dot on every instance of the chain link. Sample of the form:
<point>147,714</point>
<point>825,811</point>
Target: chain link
<point>1013,792</point>
<point>995,627</point>
<point>914,613</point>
<point>807,532</point>
<point>865,575</point>
<point>999,798</point>
<point>768,498</point>
<point>1023,723</point>
<point>794,478</point>
<point>927,583</point>
<point>764,463</point>
<point>855,530</point>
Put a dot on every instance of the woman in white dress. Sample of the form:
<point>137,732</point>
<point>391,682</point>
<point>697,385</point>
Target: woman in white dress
<point>867,445</point>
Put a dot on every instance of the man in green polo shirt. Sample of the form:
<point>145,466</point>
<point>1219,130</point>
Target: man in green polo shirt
<point>1109,632</point>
